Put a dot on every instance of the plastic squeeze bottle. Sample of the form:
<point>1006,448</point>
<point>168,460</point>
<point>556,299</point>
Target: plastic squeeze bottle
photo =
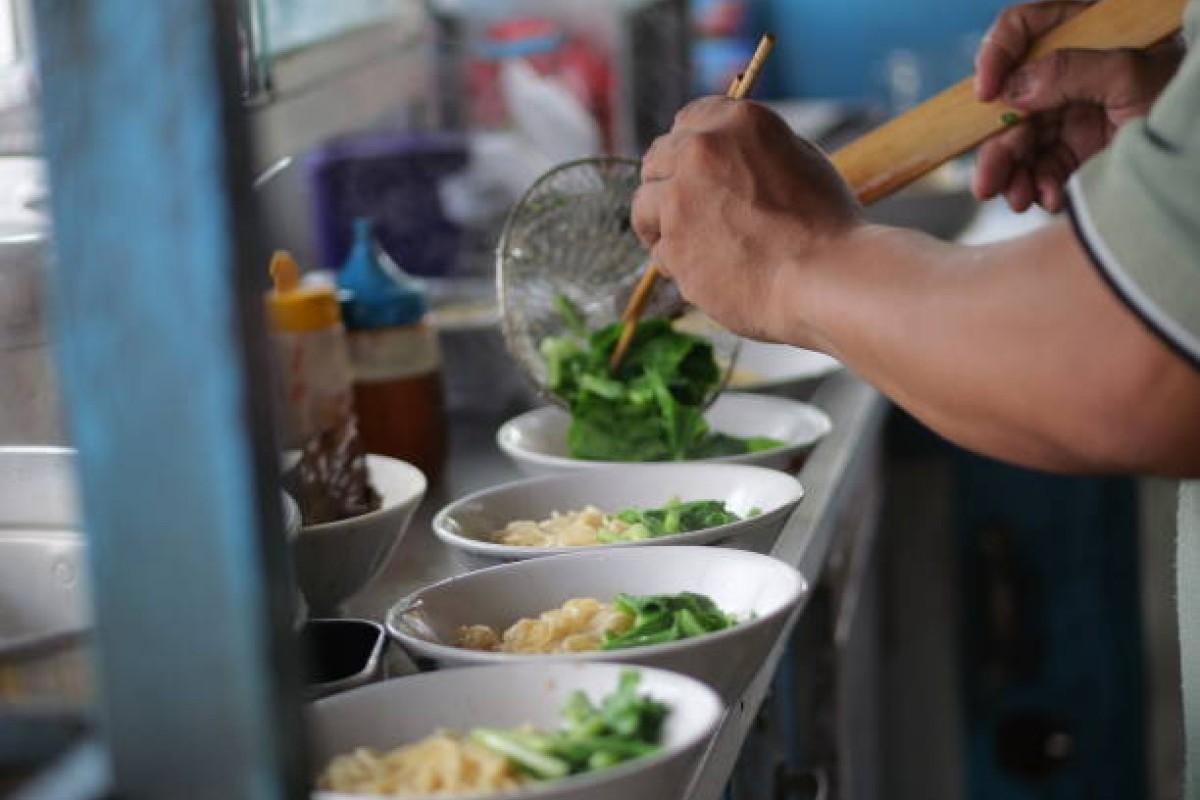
<point>394,353</point>
<point>330,481</point>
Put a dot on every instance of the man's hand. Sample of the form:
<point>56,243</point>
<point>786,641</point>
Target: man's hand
<point>732,201</point>
<point>1075,101</point>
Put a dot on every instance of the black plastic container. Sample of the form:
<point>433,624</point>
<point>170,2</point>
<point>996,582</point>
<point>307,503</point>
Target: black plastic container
<point>342,654</point>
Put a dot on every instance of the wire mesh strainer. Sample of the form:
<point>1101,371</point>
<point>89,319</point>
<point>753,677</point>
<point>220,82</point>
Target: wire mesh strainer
<point>570,235</point>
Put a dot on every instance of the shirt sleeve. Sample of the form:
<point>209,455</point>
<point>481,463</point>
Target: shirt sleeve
<point>1136,207</point>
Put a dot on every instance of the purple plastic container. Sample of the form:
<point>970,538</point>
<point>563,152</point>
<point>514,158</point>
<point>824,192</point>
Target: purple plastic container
<point>391,178</point>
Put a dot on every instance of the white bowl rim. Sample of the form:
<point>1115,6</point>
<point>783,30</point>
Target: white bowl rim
<point>824,365</point>
<point>729,530</point>
<point>439,650</point>
<point>420,484</point>
<point>688,740</point>
<point>821,428</point>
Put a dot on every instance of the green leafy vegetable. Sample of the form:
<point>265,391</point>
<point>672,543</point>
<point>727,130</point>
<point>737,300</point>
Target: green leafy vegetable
<point>675,517</point>
<point>652,409</point>
<point>571,315</point>
<point>526,750</point>
<point>658,619</point>
<point>623,726</point>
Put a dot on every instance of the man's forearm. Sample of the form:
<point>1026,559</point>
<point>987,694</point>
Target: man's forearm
<point>1017,350</point>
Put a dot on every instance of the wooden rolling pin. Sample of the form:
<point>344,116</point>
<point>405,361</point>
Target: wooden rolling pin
<point>899,152</point>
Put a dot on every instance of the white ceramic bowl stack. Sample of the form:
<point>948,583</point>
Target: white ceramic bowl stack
<point>760,591</point>
<point>389,714</point>
<point>537,440</point>
<point>468,524</point>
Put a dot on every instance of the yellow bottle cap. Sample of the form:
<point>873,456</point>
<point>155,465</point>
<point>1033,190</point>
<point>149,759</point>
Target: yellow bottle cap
<point>294,308</point>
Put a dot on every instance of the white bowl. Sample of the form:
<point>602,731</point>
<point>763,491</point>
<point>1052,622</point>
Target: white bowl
<point>761,591</point>
<point>404,710</point>
<point>336,560</point>
<point>780,369</point>
<point>291,527</point>
<point>467,525</point>
<point>537,440</point>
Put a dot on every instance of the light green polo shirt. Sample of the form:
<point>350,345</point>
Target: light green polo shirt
<point>1136,207</point>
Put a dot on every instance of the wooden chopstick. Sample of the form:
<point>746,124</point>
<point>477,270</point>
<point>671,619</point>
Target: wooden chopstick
<point>739,87</point>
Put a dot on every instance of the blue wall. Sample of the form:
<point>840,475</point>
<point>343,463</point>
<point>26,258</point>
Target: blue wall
<point>838,48</point>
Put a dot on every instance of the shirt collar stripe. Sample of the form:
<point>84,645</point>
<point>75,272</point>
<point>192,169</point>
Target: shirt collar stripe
<point>1180,339</point>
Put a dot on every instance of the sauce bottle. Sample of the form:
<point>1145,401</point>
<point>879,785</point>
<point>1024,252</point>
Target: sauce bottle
<point>330,481</point>
<point>395,358</point>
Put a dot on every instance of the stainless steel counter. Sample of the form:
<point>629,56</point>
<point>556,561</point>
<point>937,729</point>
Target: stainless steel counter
<point>840,508</point>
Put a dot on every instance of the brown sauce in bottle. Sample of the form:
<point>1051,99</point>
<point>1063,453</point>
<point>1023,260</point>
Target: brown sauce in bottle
<point>404,418</point>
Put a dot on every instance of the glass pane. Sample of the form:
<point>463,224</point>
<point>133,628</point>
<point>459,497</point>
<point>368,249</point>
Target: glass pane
<point>294,23</point>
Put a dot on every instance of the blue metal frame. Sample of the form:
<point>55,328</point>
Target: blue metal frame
<point>163,367</point>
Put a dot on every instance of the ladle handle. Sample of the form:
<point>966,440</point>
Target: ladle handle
<point>949,124</point>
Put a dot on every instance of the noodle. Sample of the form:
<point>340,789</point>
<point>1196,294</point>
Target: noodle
<point>437,765</point>
<point>579,626</point>
<point>570,529</point>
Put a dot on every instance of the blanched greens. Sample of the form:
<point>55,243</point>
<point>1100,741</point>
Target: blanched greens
<point>658,619</point>
<point>675,517</point>
<point>652,408</point>
<point>623,726</point>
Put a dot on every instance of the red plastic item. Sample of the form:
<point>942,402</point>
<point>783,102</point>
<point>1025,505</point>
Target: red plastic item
<point>552,52</point>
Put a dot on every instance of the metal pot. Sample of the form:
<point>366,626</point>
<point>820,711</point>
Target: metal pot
<point>44,615</point>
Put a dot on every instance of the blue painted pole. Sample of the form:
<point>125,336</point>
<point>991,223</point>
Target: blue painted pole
<point>162,363</point>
